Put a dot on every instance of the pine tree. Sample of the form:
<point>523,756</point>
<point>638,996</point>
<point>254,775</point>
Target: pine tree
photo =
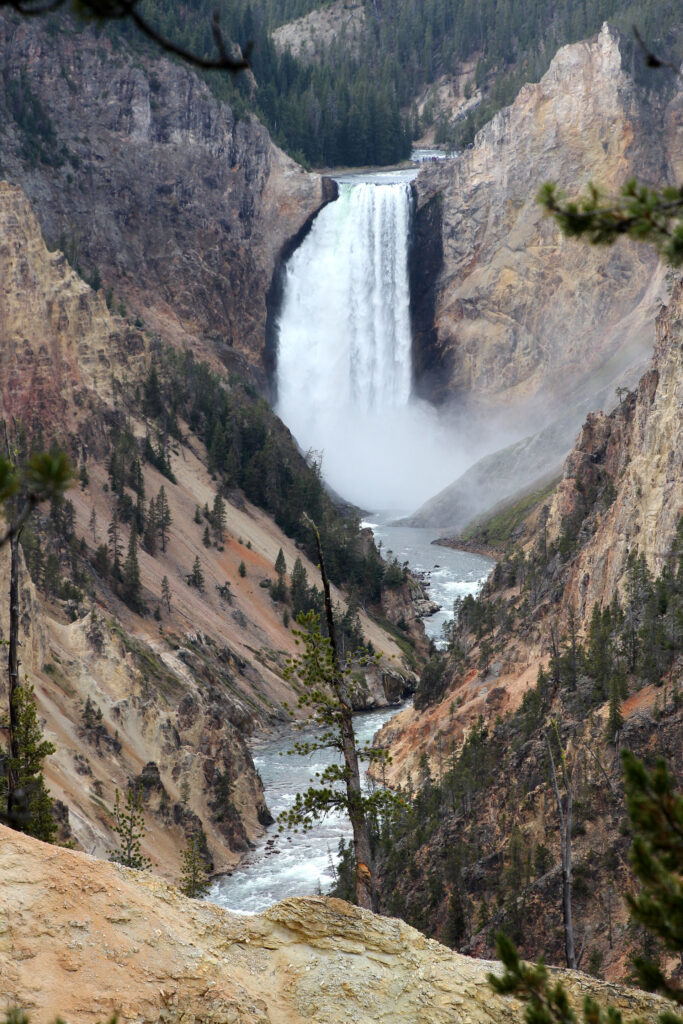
<point>163,516</point>
<point>280,563</point>
<point>655,808</point>
<point>115,549</point>
<point>194,878</point>
<point>31,809</point>
<point>166,593</point>
<point>149,540</point>
<point>298,588</point>
<point>218,518</point>
<point>242,569</point>
<point>196,577</point>
<point>129,826</point>
<point>130,588</point>
<point>206,537</point>
<point>92,524</point>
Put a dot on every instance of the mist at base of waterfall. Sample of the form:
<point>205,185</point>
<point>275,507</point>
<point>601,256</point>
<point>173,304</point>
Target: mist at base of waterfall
<point>397,458</point>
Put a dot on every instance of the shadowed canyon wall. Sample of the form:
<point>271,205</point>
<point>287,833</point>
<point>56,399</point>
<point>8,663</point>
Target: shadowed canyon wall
<point>140,172</point>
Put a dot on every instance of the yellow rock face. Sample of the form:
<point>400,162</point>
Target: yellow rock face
<point>81,938</point>
<point>522,314</point>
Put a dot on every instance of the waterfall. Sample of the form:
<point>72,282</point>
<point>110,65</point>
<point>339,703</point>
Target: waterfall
<point>344,350</point>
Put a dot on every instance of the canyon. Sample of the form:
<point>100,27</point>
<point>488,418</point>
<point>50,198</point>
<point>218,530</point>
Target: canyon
<point>146,227</point>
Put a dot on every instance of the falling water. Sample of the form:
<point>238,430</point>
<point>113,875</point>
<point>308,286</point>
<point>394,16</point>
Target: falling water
<point>344,369</point>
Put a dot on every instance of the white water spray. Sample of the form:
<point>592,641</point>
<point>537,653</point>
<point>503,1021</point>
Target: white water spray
<point>344,369</point>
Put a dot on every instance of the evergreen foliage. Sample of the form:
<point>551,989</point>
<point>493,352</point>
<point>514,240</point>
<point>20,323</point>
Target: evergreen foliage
<point>32,807</point>
<point>130,584</point>
<point>642,213</point>
<point>129,826</point>
<point>323,693</point>
<point>166,593</point>
<point>196,577</point>
<point>194,878</point>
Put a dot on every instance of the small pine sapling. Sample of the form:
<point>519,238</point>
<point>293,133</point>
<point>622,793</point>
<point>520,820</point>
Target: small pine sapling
<point>129,826</point>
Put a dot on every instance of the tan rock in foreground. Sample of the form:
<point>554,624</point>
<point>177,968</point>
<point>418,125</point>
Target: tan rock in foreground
<point>80,937</point>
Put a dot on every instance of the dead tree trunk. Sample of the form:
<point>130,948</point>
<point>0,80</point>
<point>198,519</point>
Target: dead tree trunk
<point>565,815</point>
<point>365,878</point>
<point>13,679</point>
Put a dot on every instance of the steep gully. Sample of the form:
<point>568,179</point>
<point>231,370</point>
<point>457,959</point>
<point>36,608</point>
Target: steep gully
<point>344,385</point>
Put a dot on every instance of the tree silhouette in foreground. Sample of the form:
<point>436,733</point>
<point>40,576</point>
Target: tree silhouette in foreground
<point>127,10</point>
<point>655,808</point>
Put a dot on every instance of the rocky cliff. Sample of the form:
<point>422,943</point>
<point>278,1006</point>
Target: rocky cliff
<point>508,312</point>
<point>635,454</point>
<point>149,182</point>
<point>81,939</point>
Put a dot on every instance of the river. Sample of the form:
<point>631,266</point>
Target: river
<point>298,864</point>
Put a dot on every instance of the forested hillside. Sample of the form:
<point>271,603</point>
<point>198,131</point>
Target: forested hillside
<point>351,109</point>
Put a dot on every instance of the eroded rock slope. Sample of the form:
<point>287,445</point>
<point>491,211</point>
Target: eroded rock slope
<point>80,938</point>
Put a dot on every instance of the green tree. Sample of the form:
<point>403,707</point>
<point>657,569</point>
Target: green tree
<point>218,518</point>
<point>655,807</point>
<point>44,477</point>
<point>129,826</point>
<point>194,878</point>
<point>115,548</point>
<point>166,593</point>
<point>164,517</point>
<point>26,802</point>
<point>615,719</point>
<point>242,569</point>
<point>196,577</point>
<point>280,563</point>
<point>131,586</point>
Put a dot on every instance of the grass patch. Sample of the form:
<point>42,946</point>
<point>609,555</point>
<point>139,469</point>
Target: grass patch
<point>497,529</point>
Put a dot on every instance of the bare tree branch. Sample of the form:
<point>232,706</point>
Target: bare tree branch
<point>119,10</point>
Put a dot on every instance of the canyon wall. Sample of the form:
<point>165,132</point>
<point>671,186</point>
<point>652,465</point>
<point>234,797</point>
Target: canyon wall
<point>136,169</point>
<point>80,939</point>
<point>179,693</point>
<point>636,453</point>
<point>509,312</point>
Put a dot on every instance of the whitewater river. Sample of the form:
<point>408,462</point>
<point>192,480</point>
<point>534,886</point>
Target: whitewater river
<point>288,864</point>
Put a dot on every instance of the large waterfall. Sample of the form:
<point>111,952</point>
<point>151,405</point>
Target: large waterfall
<point>344,352</point>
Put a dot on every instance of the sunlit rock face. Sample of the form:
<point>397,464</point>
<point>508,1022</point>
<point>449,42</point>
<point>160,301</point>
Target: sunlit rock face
<point>183,208</point>
<point>515,315</point>
<point>83,938</point>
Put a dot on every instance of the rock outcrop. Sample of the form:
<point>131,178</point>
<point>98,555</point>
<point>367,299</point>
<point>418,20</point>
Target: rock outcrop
<point>636,451</point>
<point>508,311</point>
<point>340,23</point>
<point>138,170</point>
<point>80,939</point>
